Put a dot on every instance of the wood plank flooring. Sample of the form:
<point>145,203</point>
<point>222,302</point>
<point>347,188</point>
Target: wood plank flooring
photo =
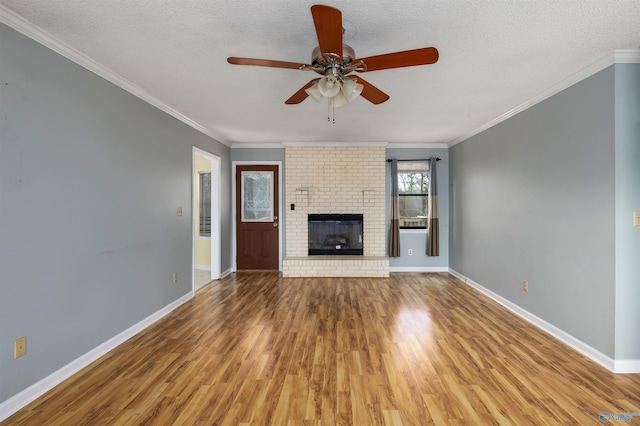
<point>413,349</point>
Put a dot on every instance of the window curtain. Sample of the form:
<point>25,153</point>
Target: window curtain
<point>394,229</point>
<point>433,225</point>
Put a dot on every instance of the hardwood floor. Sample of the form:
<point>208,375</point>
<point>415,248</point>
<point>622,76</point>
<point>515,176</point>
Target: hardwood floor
<point>255,348</point>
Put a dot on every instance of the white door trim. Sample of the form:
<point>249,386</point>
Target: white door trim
<point>216,221</point>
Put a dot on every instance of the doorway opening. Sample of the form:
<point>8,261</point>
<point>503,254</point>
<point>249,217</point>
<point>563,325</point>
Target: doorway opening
<point>206,169</point>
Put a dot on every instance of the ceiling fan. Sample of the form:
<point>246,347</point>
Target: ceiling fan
<point>335,61</point>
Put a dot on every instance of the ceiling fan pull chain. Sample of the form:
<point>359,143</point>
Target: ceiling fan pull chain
<point>333,111</point>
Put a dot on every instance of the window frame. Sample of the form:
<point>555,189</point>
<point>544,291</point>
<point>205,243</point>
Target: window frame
<point>421,166</point>
<point>204,207</point>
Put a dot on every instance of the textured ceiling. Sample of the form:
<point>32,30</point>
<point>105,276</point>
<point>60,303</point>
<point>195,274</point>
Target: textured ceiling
<point>494,56</point>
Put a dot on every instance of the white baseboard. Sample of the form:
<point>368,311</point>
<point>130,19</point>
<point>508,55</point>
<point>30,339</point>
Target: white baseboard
<point>418,269</point>
<point>16,402</point>
<point>626,366</point>
<point>225,273</point>
<point>615,366</point>
<point>203,268</point>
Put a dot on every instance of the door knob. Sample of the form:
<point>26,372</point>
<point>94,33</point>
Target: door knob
<point>275,224</point>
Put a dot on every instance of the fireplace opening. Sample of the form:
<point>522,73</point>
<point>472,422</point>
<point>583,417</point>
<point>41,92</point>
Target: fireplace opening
<point>334,234</point>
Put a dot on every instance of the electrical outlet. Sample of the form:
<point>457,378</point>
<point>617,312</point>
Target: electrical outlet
<point>525,285</point>
<point>410,252</point>
<point>179,211</point>
<point>175,277</point>
<point>636,218</point>
<point>19,347</point>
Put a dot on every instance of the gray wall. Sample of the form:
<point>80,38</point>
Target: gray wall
<point>627,157</point>
<point>90,180</point>
<point>418,242</point>
<point>257,154</point>
<point>533,198</point>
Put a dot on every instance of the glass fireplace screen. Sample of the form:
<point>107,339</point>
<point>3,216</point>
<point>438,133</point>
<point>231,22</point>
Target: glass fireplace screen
<point>333,234</point>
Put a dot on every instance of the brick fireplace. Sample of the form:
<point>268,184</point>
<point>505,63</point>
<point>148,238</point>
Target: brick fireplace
<point>335,180</point>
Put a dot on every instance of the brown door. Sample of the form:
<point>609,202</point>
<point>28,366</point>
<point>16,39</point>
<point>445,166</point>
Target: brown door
<point>257,217</point>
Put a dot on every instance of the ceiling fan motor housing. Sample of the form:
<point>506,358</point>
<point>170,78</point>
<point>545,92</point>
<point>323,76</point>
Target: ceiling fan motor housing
<point>328,62</point>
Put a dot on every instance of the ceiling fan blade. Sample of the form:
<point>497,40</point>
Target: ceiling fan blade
<point>372,93</point>
<point>264,63</point>
<point>300,95</point>
<point>328,22</point>
<point>407,58</point>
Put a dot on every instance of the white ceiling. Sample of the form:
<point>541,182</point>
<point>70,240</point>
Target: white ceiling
<point>495,55</point>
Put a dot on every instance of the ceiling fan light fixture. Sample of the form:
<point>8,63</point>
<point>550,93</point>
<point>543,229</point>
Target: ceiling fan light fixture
<point>329,86</point>
<point>339,100</point>
<point>314,92</point>
<point>351,89</point>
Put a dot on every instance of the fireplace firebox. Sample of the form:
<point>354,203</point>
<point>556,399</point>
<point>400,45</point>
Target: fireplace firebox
<point>335,234</point>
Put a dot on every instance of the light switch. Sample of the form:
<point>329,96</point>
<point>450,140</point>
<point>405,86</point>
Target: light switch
<point>179,211</point>
<point>636,218</point>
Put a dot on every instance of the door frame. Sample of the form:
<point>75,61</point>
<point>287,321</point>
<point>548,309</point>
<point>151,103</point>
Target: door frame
<point>234,246</point>
<point>216,216</point>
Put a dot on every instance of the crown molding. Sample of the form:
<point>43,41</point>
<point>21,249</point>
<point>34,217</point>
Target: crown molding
<point>626,56</point>
<point>266,145</point>
<point>21,25</point>
<point>417,145</point>
<point>615,57</point>
<point>336,144</point>
<point>256,145</point>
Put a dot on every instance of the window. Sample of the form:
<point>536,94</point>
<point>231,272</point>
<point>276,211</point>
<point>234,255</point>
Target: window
<point>205,204</point>
<point>257,196</point>
<point>413,189</point>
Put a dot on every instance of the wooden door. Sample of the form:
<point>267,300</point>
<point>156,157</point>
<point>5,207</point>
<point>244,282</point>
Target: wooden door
<point>257,217</point>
